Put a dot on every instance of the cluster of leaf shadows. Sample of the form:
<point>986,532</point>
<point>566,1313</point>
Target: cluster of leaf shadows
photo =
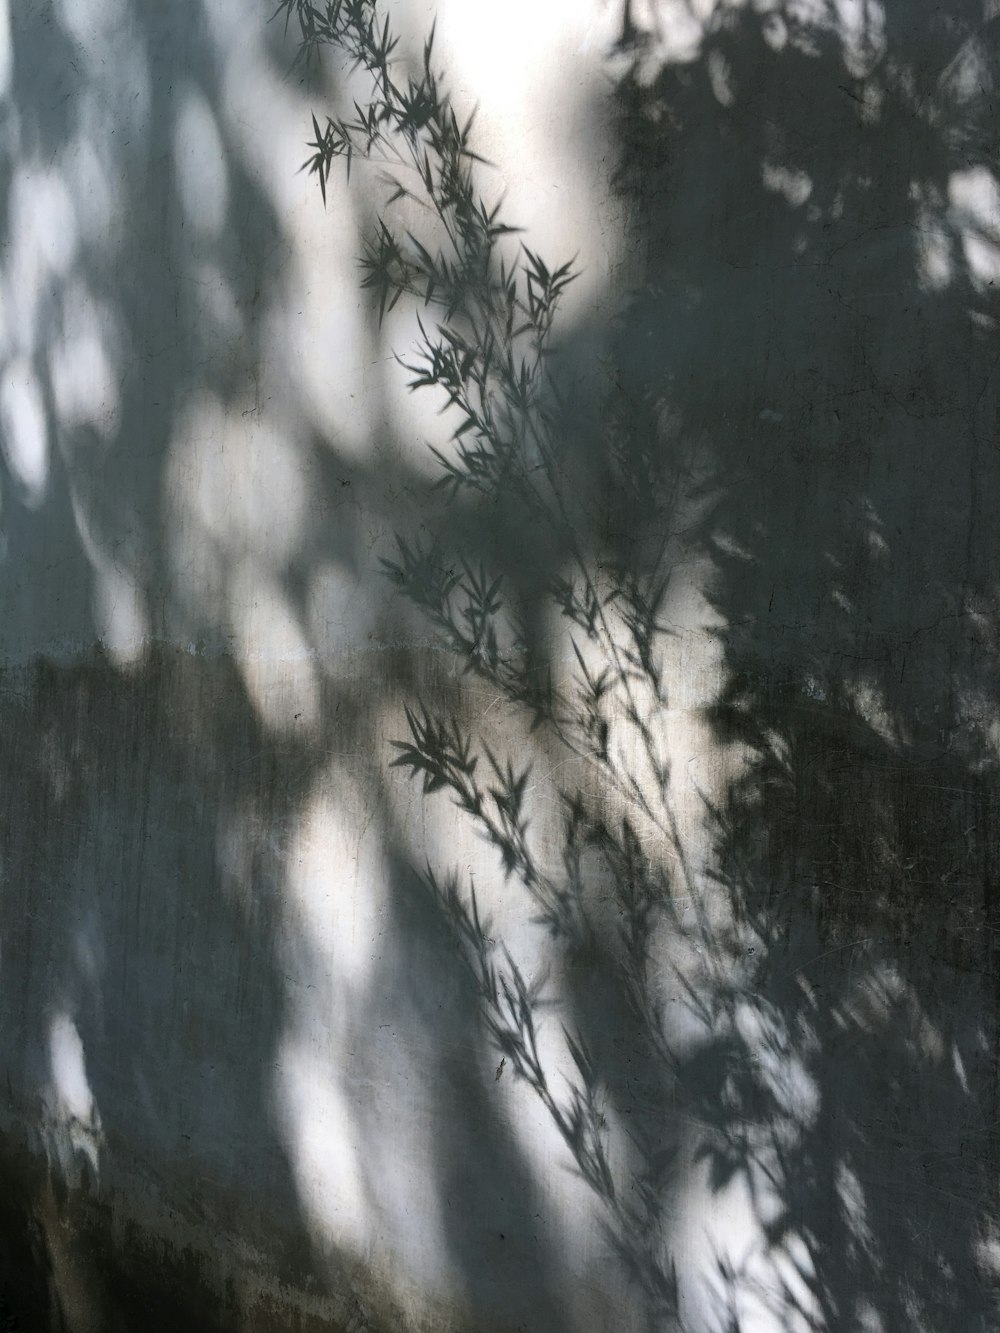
<point>485,344</point>
<point>828,458</point>
<point>116,786</point>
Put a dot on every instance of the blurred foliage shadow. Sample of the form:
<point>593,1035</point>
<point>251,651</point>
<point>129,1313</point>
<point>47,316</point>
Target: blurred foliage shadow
<point>801,407</point>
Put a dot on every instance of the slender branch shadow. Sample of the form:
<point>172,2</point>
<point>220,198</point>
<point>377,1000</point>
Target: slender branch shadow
<point>787,407</point>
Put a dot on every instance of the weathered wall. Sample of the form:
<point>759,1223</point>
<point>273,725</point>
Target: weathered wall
<point>249,1077</point>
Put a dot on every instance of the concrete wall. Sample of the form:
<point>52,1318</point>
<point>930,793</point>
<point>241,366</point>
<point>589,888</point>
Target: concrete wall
<point>252,1073</point>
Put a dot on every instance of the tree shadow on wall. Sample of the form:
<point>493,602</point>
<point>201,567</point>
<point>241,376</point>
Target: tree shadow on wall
<point>143,994</point>
<point>154,976</point>
<point>798,440</point>
<point>791,460</point>
<point>849,308</point>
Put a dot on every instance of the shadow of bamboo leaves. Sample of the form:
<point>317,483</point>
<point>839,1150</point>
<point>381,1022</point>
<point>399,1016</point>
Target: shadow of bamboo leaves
<point>487,321</point>
<point>512,1009</point>
<point>485,351</point>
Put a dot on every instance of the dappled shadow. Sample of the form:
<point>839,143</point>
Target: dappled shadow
<point>788,1002</point>
<point>691,1020</point>
<point>830,237</point>
<point>223,1093</point>
<point>134,257</point>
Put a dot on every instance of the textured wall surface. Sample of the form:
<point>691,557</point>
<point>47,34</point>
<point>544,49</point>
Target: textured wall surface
<point>678,1008</point>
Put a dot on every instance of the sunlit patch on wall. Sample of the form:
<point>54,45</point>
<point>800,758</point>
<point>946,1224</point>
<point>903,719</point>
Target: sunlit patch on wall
<point>83,365</point>
<point>42,244</point>
<point>775,31</point>
<point>778,1066</point>
<point>869,702</point>
<point>338,899</point>
<point>968,75</point>
<point>273,655</point>
<point>851,1196</point>
<point>350,1089</point>
<point>720,76</point>
<point>530,124</point>
<point>24,432</point>
<point>881,999</point>
<point>238,492</point>
<point>794,186</point>
<point>6,48</point>
<point>326,1156</point>
<point>861,27</point>
<point>726,1263</point>
<point>675,31</point>
<point>42,217</point>
<point>83,18</point>
<point>119,613</point>
<point>988,1253</point>
<point>974,207</point>
<point>118,599</point>
<point>867,1318</point>
<point>71,1121</point>
<point>244,483</point>
<point>878,547</point>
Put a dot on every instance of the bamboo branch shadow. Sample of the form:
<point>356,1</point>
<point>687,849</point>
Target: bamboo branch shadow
<point>815,959</point>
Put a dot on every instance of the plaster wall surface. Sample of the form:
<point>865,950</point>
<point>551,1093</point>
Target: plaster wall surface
<point>252,1073</point>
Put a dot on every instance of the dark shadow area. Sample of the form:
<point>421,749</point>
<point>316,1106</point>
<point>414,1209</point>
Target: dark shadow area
<point>151,970</point>
<point>115,908</point>
<point>125,909</point>
<point>820,309</point>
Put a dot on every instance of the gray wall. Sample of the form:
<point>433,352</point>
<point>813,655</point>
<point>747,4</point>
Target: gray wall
<point>252,1072</point>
